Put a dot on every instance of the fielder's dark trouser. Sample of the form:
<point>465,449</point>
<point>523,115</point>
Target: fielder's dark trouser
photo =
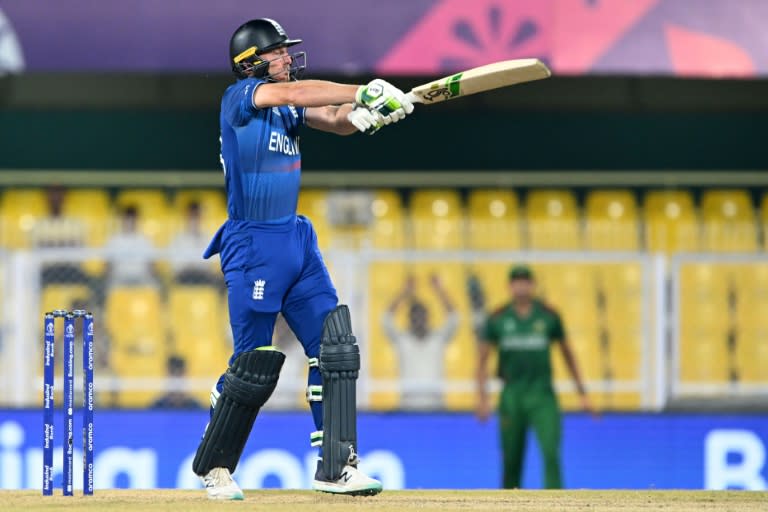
<point>520,408</point>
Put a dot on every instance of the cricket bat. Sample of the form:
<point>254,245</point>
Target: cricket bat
<point>480,79</point>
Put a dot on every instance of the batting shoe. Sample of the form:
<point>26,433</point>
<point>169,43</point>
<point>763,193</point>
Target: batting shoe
<point>352,482</point>
<point>220,486</point>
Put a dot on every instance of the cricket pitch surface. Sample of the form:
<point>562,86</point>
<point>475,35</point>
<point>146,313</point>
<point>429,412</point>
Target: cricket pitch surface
<point>396,501</point>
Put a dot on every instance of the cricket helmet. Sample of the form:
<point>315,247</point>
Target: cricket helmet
<point>255,37</point>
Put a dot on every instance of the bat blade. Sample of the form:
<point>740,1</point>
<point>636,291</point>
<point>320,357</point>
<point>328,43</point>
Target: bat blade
<point>480,79</point>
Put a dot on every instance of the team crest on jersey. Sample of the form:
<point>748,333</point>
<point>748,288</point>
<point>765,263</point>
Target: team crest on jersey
<point>258,289</point>
<point>539,326</point>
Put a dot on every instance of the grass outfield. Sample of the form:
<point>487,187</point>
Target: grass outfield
<point>400,501</point>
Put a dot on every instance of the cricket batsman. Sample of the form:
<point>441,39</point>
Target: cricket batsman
<point>522,331</point>
<point>270,257</point>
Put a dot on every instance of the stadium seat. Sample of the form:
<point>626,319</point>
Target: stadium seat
<point>436,219</point>
<point>553,220</point>
<point>584,341</point>
<point>19,209</point>
<point>751,293</point>
<point>492,276</point>
<point>625,351</point>
<point>704,323</point>
<point>704,354</point>
<point>155,219</point>
<point>621,288</point>
<point>388,225</point>
<point>728,221</point>
<point>196,333</point>
<point>611,221</point>
<point>137,341</point>
<point>65,296</point>
<point>493,216</point>
<point>752,354</point>
<point>313,204</point>
<point>671,222</point>
<point>385,280</point>
<point>461,351</point>
<point>213,207</point>
<point>93,207</point>
<point>705,282</point>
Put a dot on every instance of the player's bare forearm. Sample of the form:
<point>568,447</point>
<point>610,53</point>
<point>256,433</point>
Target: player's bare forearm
<point>437,285</point>
<point>483,408</point>
<point>573,368</point>
<point>405,293</point>
<point>304,93</point>
<point>331,119</point>
<point>481,373</point>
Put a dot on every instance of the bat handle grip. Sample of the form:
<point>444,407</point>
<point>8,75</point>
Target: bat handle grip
<point>412,97</point>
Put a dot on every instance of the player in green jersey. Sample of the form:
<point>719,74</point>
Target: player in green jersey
<point>522,331</point>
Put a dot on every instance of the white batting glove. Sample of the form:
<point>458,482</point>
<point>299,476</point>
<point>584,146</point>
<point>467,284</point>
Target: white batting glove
<point>365,120</point>
<point>384,98</point>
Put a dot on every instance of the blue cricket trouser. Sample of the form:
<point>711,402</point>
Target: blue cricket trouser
<point>272,268</point>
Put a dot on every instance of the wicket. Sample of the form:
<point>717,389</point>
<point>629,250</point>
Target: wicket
<point>69,400</point>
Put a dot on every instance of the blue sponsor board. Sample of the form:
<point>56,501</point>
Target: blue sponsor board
<point>147,449</point>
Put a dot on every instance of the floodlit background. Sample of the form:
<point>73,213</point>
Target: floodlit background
<point>633,182</point>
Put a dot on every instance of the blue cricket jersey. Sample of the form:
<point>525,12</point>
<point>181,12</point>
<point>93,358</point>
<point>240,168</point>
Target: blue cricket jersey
<point>260,155</point>
<point>261,162</point>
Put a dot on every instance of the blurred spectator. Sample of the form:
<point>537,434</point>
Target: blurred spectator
<point>294,369</point>
<point>59,231</point>
<point>421,348</point>
<point>522,331</point>
<point>174,398</point>
<point>129,253</point>
<point>191,240</point>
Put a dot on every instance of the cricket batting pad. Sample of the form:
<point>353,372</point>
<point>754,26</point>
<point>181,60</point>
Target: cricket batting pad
<point>339,366</point>
<point>248,384</point>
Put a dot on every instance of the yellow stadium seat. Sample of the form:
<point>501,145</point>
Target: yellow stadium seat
<point>93,207</point>
<point>705,277</point>
<point>65,296</point>
<point>385,280</point>
<point>155,218</point>
<point>213,207</point>
<point>388,225</point>
<point>138,348</point>
<point>704,354</point>
<point>572,289</point>
<point>196,333</point>
<point>751,292</point>
<point>493,216</point>
<point>553,220</point>
<point>621,287</point>
<point>436,218</point>
<point>671,222</point>
<point>461,351</point>
<point>19,209</point>
<point>313,204</point>
<point>494,284</point>
<point>611,221</point>
<point>752,354</point>
<point>584,342</point>
<point>625,350</point>
<point>728,221</point>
